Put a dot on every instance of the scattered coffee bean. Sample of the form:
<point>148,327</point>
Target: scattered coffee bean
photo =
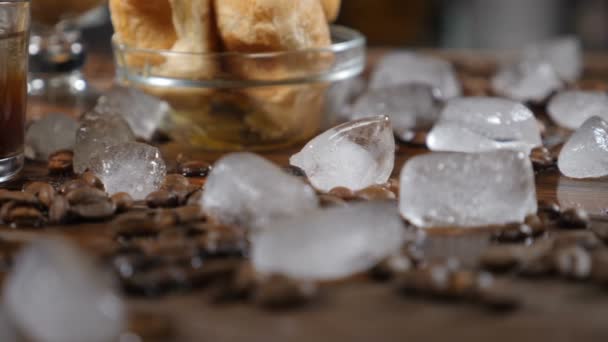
<point>375,193</point>
<point>573,263</point>
<point>331,201</point>
<point>295,171</point>
<point>24,216</point>
<point>390,267</point>
<point>58,210</point>
<point>162,199</point>
<point>574,218</point>
<point>91,204</point>
<point>542,159</point>
<point>549,212</point>
<point>91,180</point>
<point>18,197</point>
<point>61,163</point>
<point>72,185</point>
<point>123,201</point>
<point>514,233</point>
<point>5,209</point>
<point>462,285</point>
<point>43,191</point>
<point>85,195</point>
<point>194,168</point>
<point>188,214</point>
<point>280,292</point>
<point>343,193</point>
<point>536,224</point>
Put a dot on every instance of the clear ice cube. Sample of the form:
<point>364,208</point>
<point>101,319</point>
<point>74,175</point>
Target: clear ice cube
<point>354,155</point>
<point>585,154</point>
<point>480,124</point>
<point>56,293</point>
<point>563,54</point>
<point>131,167</point>
<point>247,190</point>
<point>50,134</point>
<point>467,189</point>
<point>144,113</point>
<point>96,133</point>
<point>527,81</point>
<point>572,108</point>
<point>330,243</point>
<point>407,67</point>
<point>411,107</point>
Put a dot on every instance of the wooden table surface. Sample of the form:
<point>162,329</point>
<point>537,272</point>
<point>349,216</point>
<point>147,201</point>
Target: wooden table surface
<point>553,310</point>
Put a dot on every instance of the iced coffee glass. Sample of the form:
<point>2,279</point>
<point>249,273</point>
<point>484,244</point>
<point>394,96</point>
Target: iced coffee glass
<point>14,27</point>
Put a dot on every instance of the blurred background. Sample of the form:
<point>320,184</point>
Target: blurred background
<point>502,24</point>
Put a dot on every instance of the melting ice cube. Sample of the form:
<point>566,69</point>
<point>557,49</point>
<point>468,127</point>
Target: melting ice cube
<point>406,67</point>
<point>247,190</point>
<point>527,80</point>
<point>56,293</point>
<point>331,243</point>
<point>410,107</point>
<point>480,124</point>
<point>468,190</point>
<point>355,155</point>
<point>50,134</point>
<point>95,134</point>
<point>143,112</point>
<point>585,154</point>
<point>135,168</point>
<point>563,54</point>
<point>572,108</point>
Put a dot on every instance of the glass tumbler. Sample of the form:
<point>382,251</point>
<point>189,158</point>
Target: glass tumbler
<point>14,28</point>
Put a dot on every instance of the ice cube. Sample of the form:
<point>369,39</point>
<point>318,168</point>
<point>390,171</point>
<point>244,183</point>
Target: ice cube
<point>56,293</point>
<point>331,243</point>
<point>247,190</point>
<point>50,134</point>
<point>585,154</point>
<point>341,96</point>
<point>527,81</point>
<point>131,167</point>
<point>355,155</point>
<point>480,124</point>
<point>143,112</point>
<point>467,190</point>
<point>410,107</point>
<point>572,108</point>
<point>95,134</point>
<point>407,67</point>
<point>563,54</point>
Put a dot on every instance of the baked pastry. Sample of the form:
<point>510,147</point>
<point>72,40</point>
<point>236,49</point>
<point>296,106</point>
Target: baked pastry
<point>332,9</point>
<point>145,24</point>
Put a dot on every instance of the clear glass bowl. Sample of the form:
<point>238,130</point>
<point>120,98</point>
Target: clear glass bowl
<point>236,101</point>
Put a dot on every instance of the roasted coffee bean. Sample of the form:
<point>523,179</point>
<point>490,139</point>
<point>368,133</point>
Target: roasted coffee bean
<point>148,326</point>
<point>599,227</point>
<point>61,163</point>
<point>390,267</point>
<point>194,168</point>
<point>573,263</point>
<point>188,214</point>
<point>123,201</point>
<point>513,233</point>
<point>72,185</point>
<point>343,193</point>
<point>174,182</point>
<point>18,197</point>
<point>574,218</point>
<point>462,284</point>
<point>86,195</point>
<point>241,285</point>
<point>162,199</point>
<point>91,180</point>
<point>295,171</point>
<point>58,210</point>
<point>331,201</point>
<point>549,212</point>
<point>281,292</point>
<point>43,191</point>
<point>536,224</point>
<point>542,159</point>
<point>582,238</point>
<point>98,210</point>
<point>5,209</point>
<point>25,217</point>
<point>599,266</point>
<point>375,193</point>
<point>195,197</point>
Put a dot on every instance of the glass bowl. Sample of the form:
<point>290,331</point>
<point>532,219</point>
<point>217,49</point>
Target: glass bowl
<point>237,101</point>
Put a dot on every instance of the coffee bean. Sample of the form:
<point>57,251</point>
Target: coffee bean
<point>61,163</point>
<point>150,326</point>
<point>162,199</point>
<point>43,191</point>
<point>24,216</point>
<point>542,159</point>
<point>58,210</point>
<point>195,197</point>
<point>573,262</point>
<point>86,195</point>
<point>281,292</point>
<point>194,168</point>
<point>462,284</point>
<point>18,197</point>
<point>98,210</point>
<point>123,201</point>
<point>513,233</point>
<point>343,193</point>
<point>295,171</point>
<point>188,214</point>
<point>72,185</point>
<point>5,209</point>
<point>375,193</point>
<point>135,225</point>
<point>331,201</point>
<point>91,180</point>
<point>174,182</point>
<point>391,266</point>
<point>574,218</point>
<point>536,224</point>
<point>549,211</point>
